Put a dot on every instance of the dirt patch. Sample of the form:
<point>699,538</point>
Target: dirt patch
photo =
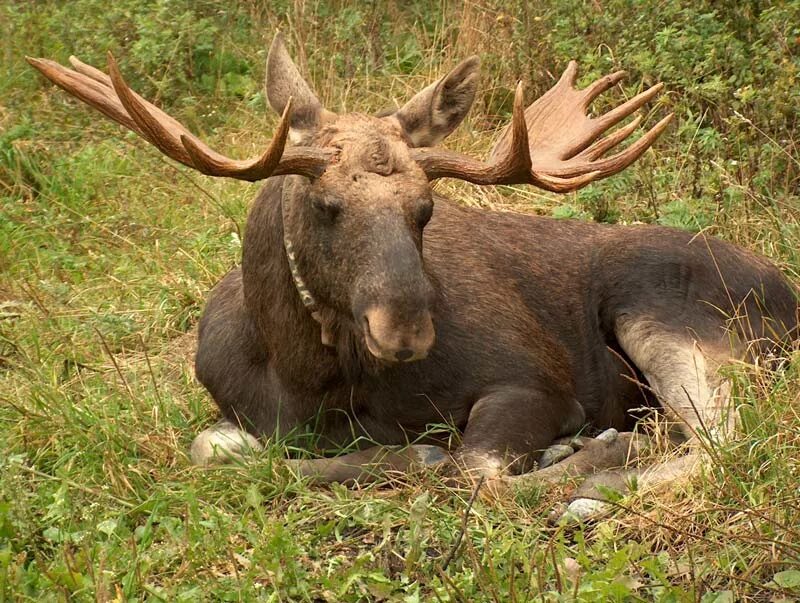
<point>177,355</point>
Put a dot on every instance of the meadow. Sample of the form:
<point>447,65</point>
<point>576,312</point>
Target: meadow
<point>108,252</point>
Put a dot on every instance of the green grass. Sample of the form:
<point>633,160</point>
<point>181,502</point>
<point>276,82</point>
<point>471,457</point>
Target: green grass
<point>108,251</point>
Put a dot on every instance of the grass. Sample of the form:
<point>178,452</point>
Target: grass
<point>108,251</point>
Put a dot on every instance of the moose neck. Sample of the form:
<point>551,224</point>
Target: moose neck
<point>277,309</point>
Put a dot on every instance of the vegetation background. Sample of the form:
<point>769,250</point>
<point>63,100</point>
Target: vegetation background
<point>108,251</point>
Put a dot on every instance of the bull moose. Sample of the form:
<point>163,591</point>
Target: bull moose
<point>362,314</point>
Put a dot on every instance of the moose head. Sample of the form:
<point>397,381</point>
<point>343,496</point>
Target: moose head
<point>360,196</point>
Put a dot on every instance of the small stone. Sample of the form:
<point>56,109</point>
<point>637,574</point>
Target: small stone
<point>572,569</point>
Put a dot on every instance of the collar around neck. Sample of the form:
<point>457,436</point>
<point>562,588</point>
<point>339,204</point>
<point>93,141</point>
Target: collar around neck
<point>302,289</point>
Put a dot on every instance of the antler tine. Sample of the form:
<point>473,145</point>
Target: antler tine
<point>160,129</point>
<point>618,162</point>
<point>617,114</point>
<point>112,96</point>
<point>89,71</point>
<point>597,148</point>
<point>88,90</point>
<point>516,162</point>
<point>596,88</point>
<point>568,77</point>
<point>211,163</point>
<point>556,184</point>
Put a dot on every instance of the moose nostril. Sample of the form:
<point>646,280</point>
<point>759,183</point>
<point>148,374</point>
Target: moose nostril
<point>404,355</point>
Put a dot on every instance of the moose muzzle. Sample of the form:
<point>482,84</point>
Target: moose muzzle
<point>395,339</point>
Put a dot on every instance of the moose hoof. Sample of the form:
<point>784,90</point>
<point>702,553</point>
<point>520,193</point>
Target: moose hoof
<point>554,454</point>
<point>223,443</point>
<point>590,501</point>
<point>430,456</point>
<point>608,436</point>
<point>580,510</point>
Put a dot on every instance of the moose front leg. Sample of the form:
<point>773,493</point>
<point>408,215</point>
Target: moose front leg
<point>377,463</point>
<point>509,427</point>
<point>233,363</point>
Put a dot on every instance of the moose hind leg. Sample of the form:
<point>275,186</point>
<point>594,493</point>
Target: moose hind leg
<point>682,371</point>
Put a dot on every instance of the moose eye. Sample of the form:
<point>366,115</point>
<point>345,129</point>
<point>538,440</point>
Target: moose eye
<point>424,211</point>
<point>326,207</point>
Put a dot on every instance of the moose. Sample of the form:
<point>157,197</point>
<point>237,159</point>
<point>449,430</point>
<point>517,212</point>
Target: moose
<point>368,309</point>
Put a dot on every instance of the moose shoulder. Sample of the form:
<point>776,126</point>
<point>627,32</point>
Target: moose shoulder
<point>515,329</point>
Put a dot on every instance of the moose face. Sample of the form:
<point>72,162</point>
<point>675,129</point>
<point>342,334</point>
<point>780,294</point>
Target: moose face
<point>357,232</point>
<point>357,228</point>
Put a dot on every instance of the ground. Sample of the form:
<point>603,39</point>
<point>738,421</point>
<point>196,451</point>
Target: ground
<point>108,251</point>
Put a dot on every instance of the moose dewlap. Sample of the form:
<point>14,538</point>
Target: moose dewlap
<point>368,308</point>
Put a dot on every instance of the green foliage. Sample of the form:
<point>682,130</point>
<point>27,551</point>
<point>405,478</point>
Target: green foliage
<point>107,253</point>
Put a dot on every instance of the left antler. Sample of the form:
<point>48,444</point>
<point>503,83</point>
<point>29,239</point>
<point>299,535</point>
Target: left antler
<point>553,144</point>
<point>112,96</point>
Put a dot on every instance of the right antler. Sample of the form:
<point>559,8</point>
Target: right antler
<point>553,144</point>
<point>113,98</point>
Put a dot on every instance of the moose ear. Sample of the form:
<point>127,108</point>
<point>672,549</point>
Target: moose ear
<point>283,81</point>
<point>436,111</point>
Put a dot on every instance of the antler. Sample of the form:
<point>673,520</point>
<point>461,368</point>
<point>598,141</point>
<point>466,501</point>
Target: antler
<point>553,144</point>
<point>112,96</point>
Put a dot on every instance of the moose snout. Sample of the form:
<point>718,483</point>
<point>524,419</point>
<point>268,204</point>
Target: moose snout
<point>396,339</point>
